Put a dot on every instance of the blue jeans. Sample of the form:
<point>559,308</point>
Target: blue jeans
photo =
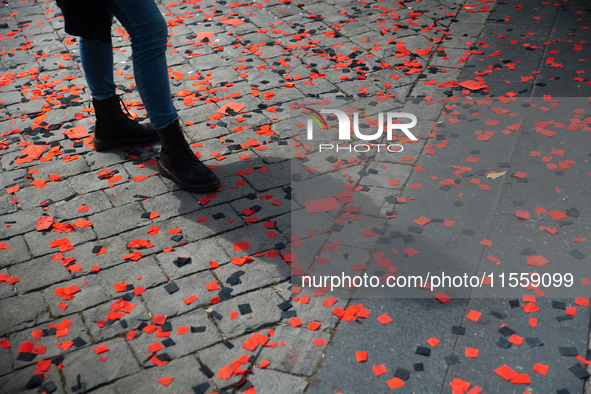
<point>148,33</point>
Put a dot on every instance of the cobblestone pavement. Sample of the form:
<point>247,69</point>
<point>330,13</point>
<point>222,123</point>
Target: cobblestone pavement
<point>112,280</point>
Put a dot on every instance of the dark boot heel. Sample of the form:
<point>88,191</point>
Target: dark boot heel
<point>100,146</point>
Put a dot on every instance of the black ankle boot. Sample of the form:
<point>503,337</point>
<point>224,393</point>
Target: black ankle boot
<point>179,163</point>
<point>114,127</point>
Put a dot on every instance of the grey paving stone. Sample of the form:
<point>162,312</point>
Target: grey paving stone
<point>116,249</point>
<point>185,372</point>
<point>21,312</point>
<point>221,354</point>
<point>118,220</point>
<point>38,273</point>
<point>119,363</point>
<point>130,272</point>
<point>212,226</point>
<point>89,182</point>
<point>266,382</point>
<point>39,241</point>
<point>184,343</point>
<point>299,356</point>
<point>16,253</point>
<point>159,301</point>
<point>5,361</point>
<point>16,382</point>
<point>100,313</point>
<point>66,210</point>
<point>76,330</point>
<point>6,290</point>
<point>24,221</point>
<point>200,252</point>
<point>171,204</point>
<point>91,293</point>
<point>256,235</point>
<point>130,192</point>
<point>264,311</point>
<point>261,272</point>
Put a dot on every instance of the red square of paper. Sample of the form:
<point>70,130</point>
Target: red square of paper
<point>384,319</point>
<point>541,368</point>
<point>319,342</point>
<point>182,330</point>
<point>361,356</point>
<point>516,340</point>
<point>394,383</point>
<point>473,315</point>
<point>433,341</point>
<point>472,353</point>
<point>379,370</point>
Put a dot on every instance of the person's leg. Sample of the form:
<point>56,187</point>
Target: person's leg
<point>148,33</point>
<point>97,62</point>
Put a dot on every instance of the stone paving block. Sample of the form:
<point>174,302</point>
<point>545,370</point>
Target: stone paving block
<point>299,356</point>
<point>171,204</point>
<point>226,353</point>
<point>39,241</point>
<point>128,322</point>
<point>266,381</point>
<point>226,220</point>
<point>119,363</point>
<point>91,293</point>
<point>90,182</point>
<point>273,204</point>
<point>7,205</point>
<point>66,210</point>
<point>38,273</point>
<point>159,301</point>
<point>264,308</point>
<point>118,220</point>
<point>261,272</point>
<point>77,330</point>
<point>136,191</point>
<point>185,372</point>
<point>5,362</point>
<point>200,252</point>
<point>6,290</point>
<point>183,344</point>
<point>13,178</point>
<point>277,175</point>
<point>61,168</point>
<point>16,253</point>
<point>162,240</point>
<point>130,272</point>
<point>256,235</point>
<point>17,313</point>
<point>16,382</point>
<point>115,250</point>
<point>20,222</point>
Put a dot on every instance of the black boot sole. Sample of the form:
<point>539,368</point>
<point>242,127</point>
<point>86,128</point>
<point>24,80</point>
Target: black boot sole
<point>103,145</point>
<point>195,188</point>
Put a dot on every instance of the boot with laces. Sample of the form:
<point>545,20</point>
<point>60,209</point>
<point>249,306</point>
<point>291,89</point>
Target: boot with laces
<point>179,163</point>
<point>114,127</point>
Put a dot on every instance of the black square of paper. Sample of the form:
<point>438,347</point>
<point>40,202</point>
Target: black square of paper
<point>128,296</point>
<point>97,248</point>
<point>502,342</point>
<point>423,351</point>
<point>534,342</point>
<point>458,330</point>
<point>228,344</point>
<point>168,342</point>
<point>198,329</point>
<point>579,371</point>
<point>219,215</point>
<point>560,319</point>
<point>166,327</point>
<point>402,373</point>
<point>514,303</point>
<point>200,388</point>
<point>506,331</point>
<point>206,371</point>
<point>451,360</point>
<point>79,342</point>
<point>244,309</point>
<point>288,314</point>
<point>177,237</point>
<point>498,315</point>
<point>171,288</point>
<point>419,367</point>
<point>26,356</point>
<point>216,315</point>
<point>181,261</point>
<point>285,305</point>
<point>558,305</point>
